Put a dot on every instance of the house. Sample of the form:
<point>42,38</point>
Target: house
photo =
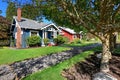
<point>22,28</point>
<point>69,33</point>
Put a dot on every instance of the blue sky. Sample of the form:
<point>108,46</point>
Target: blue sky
<point>3,7</point>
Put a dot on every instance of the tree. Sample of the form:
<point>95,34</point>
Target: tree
<point>4,31</point>
<point>11,11</point>
<point>99,17</point>
<point>28,11</point>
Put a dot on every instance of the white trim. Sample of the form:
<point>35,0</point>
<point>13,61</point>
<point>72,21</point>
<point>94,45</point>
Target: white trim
<point>50,25</point>
<point>34,31</point>
<point>21,31</point>
<point>43,34</point>
<point>17,25</point>
<point>15,35</point>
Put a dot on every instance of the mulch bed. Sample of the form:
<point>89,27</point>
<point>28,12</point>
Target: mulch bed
<point>86,69</point>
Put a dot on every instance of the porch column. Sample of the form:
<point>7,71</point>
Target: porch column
<point>55,34</point>
<point>43,32</point>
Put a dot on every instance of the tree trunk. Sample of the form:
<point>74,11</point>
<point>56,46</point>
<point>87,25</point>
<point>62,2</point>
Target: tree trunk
<point>106,55</point>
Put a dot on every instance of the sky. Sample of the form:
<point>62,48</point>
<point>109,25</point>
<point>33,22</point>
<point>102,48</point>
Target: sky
<point>3,7</point>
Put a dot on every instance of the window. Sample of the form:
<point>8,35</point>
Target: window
<point>34,33</point>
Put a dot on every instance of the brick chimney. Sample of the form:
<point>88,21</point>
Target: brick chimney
<point>19,14</point>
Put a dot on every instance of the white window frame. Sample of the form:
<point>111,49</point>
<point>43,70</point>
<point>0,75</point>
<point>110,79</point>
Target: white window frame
<point>34,31</point>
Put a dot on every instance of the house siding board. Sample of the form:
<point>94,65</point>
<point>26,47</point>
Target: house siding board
<point>25,35</point>
<point>68,35</point>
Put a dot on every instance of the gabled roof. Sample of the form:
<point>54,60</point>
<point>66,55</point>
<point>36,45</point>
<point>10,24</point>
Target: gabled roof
<point>32,24</point>
<point>68,30</point>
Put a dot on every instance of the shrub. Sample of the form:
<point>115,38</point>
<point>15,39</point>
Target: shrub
<point>46,41</point>
<point>60,40</point>
<point>4,42</point>
<point>76,41</point>
<point>66,40</point>
<point>33,41</point>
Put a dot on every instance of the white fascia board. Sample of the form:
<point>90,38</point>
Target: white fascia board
<point>50,25</point>
<point>17,25</point>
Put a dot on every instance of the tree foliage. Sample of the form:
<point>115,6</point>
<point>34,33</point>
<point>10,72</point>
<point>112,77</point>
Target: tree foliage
<point>28,11</point>
<point>11,11</point>
<point>4,31</point>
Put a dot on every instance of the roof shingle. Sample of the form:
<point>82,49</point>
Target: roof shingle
<point>30,24</point>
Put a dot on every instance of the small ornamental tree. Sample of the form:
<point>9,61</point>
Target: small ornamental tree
<point>33,41</point>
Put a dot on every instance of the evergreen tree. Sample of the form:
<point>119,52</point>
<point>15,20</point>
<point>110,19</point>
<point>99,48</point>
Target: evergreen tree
<point>31,12</point>
<point>28,11</point>
<point>11,11</point>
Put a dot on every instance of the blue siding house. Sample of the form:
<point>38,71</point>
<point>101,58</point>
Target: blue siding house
<point>22,28</point>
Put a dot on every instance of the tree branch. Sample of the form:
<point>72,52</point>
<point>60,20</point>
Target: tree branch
<point>116,11</point>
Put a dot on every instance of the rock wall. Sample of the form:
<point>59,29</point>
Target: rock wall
<point>23,68</point>
<point>6,73</point>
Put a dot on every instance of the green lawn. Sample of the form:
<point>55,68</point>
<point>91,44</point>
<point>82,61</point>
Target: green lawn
<point>54,72</point>
<point>8,56</point>
<point>83,43</point>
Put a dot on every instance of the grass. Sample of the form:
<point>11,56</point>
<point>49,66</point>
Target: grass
<point>83,43</point>
<point>54,72</point>
<point>8,56</point>
<point>117,50</point>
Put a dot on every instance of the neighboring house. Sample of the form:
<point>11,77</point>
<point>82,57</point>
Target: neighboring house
<point>22,28</point>
<point>69,33</point>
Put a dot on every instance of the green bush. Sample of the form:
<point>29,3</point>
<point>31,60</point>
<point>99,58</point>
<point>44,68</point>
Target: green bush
<point>46,41</point>
<point>4,43</point>
<point>76,41</point>
<point>33,41</point>
<point>60,40</point>
<point>66,40</point>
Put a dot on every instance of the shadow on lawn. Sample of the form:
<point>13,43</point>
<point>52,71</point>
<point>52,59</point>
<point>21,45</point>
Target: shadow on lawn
<point>86,69</point>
